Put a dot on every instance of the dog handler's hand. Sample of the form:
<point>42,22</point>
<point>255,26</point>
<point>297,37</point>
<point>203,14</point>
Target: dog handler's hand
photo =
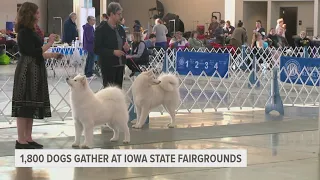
<point>118,53</point>
<point>126,47</point>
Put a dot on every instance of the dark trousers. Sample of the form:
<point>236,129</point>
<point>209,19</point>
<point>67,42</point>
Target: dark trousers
<point>112,76</point>
<point>134,67</point>
<point>88,70</point>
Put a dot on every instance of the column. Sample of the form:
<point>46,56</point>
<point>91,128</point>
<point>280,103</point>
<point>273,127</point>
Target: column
<point>78,7</point>
<point>316,19</point>
<point>269,14</point>
<point>230,11</point>
<point>103,6</point>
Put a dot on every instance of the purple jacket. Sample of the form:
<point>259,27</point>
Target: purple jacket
<point>88,37</point>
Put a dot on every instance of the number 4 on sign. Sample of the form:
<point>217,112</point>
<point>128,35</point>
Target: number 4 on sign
<point>216,66</point>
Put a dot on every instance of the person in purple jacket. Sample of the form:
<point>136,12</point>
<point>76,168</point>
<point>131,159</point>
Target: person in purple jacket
<point>88,43</point>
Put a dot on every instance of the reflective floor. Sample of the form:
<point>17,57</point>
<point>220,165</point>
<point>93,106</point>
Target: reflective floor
<point>294,157</point>
<point>283,148</point>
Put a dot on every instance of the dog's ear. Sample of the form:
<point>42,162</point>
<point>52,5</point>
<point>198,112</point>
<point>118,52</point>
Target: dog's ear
<point>83,80</point>
<point>150,73</point>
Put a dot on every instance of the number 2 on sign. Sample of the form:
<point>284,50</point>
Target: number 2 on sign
<point>197,65</point>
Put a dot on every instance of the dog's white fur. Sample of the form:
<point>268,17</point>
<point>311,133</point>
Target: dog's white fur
<point>149,93</point>
<point>89,109</point>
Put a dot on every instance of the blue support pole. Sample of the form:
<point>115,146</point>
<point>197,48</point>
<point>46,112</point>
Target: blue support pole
<point>253,75</point>
<point>305,52</point>
<point>275,102</point>
<point>133,114</point>
<point>165,63</point>
<point>243,55</point>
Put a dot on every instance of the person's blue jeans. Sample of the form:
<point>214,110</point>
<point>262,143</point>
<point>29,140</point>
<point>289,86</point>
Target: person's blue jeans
<point>88,70</point>
<point>162,44</point>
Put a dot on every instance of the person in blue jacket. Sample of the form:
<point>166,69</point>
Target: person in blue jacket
<point>88,43</point>
<point>70,31</point>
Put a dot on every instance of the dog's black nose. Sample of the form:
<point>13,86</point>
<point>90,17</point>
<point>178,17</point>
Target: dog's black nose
<point>67,78</point>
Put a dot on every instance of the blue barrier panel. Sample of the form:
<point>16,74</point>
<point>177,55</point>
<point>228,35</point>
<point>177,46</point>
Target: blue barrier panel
<point>197,62</point>
<point>9,26</point>
<point>294,67</point>
<point>67,50</point>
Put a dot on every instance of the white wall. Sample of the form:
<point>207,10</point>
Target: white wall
<point>194,10</point>
<point>8,11</point>
<point>305,13</point>
<point>136,10</point>
<point>188,10</point>
<point>253,11</point>
<point>200,10</point>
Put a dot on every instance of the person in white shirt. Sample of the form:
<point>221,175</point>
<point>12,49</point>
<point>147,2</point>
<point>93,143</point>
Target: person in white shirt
<point>280,28</point>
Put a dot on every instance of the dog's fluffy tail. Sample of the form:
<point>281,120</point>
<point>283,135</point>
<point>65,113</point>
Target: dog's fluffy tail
<point>112,93</point>
<point>169,82</point>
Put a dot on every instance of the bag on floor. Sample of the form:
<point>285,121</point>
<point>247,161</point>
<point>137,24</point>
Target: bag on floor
<point>4,59</point>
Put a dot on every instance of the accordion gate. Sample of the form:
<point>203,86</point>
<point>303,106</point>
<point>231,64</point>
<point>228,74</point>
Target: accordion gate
<point>198,93</point>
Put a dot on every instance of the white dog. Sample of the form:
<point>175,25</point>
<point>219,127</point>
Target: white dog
<point>149,93</point>
<point>108,106</point>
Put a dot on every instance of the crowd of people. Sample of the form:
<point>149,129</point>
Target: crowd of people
<point>224,33</point>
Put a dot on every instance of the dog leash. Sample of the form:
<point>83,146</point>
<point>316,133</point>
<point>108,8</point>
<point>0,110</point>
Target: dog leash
<point>136,66</point>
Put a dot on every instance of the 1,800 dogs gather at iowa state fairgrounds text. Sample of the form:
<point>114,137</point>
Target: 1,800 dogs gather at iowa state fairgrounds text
<point>137,158</point>
<point>131,158</point>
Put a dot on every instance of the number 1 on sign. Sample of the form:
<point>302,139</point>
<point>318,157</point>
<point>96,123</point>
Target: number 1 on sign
<point>187,63</point>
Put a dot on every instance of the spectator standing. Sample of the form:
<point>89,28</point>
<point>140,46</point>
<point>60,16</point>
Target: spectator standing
<point>70,31</point>
<point>110,45</point>
<point>281,27</point>
<point>213,25</point>
<point>239,36</point>
<point>137,26</point>
<point>161,32</point>
<point>219,33</point>
<point>260,29</point>
<point>88,43</point>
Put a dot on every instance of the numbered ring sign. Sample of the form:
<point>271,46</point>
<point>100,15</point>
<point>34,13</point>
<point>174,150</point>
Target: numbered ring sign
<point>197,62</point>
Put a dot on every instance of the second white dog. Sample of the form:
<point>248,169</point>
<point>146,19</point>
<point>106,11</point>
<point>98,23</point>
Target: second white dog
<point>149,93</point>
<point>89,109</point>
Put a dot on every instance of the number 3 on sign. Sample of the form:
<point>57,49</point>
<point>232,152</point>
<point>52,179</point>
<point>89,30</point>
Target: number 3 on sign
<point>216,66</point>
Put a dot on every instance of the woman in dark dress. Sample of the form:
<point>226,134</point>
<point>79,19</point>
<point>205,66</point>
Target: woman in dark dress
<point>30,99</point>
